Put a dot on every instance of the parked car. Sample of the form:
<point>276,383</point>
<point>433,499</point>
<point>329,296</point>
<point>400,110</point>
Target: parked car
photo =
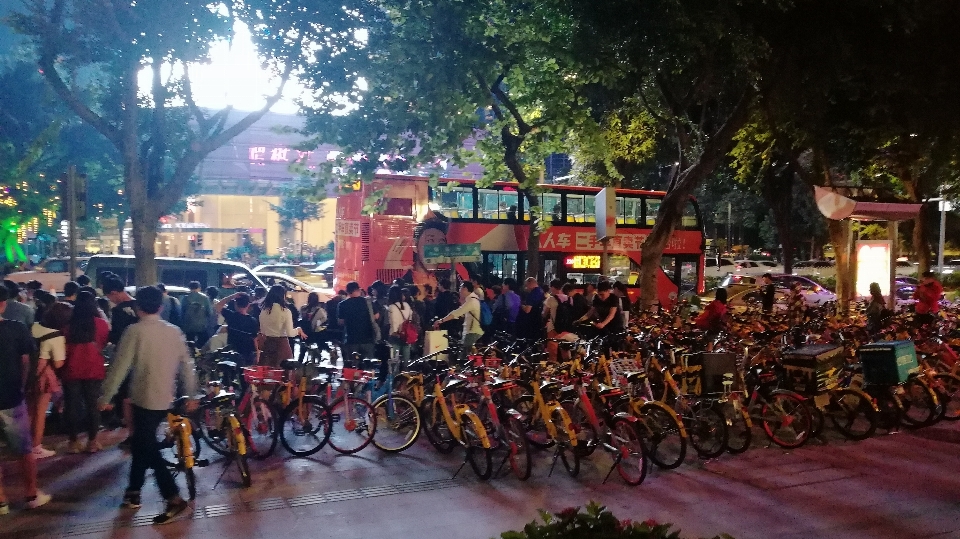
<point>757,267</point>
<point>172,271</point>
<point>52,273</point>
<point>742,289</point>
<point>718,267</point>
<point>298,272</point>
<point>296,289</point>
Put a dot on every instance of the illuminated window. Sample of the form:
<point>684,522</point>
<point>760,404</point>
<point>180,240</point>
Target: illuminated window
<point>575,208</point>
<point>498,204</point>
<point>455,202</point>
<point>653,206</point>
<point>689,219</point>
<point>552,210</point>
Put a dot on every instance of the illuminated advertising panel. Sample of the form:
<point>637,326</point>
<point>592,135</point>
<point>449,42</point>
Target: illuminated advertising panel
<point>873,266</point>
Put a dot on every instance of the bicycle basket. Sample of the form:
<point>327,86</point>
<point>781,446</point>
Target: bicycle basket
<point>620,366</point>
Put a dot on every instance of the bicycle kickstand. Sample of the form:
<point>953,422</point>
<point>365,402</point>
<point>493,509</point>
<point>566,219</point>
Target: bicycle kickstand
<point>464,463</point>
<point>504,461</point>
<point>556,455</point>
<point>616,461</point>
<point>226,465</point>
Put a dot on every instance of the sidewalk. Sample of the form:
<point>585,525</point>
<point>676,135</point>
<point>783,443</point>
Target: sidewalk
<point>896,486</point>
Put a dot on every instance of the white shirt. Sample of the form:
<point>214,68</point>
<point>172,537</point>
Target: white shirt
<point>277,322</point>
<point>54,349</point>
<point>398,315</point>
<point>470,311</point>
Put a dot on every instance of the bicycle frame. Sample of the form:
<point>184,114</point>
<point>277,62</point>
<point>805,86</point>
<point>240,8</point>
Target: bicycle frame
<point>439,399</point>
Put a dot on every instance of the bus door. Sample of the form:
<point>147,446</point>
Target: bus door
<point>683,271</point>
<point>551,267</point>
<point>501,265</point>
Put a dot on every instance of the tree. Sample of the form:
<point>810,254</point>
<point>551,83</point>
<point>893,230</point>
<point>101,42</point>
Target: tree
<point>92,54</point>
<point>435,73</point>
<point>297,207</point>
<point>27,198</point>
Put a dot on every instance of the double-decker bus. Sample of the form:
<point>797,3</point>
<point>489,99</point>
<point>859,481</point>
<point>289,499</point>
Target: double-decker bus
<point>390,244</point>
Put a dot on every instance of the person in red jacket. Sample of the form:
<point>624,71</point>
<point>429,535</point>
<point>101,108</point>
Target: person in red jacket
<point>928,295</point>
<point>83,372</point>
<point>712,317</point>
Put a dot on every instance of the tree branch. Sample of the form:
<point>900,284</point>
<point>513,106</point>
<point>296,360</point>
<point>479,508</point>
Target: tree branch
<point>196,111</point>
<point>523,128</point>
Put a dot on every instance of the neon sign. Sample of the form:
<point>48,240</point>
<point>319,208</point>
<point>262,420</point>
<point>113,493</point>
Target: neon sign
<point>584,262</point>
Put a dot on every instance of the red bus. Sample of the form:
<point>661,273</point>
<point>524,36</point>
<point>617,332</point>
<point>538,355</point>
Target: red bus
<point>389,245</point>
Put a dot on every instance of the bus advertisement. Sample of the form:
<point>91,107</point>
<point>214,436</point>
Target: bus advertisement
<point>390,244</point>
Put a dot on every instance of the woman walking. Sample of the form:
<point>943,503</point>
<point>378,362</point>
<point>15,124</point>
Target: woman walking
<point>313,317</point>
<point>276,327</point>
<point>53,317</point>
<point>83,373</point>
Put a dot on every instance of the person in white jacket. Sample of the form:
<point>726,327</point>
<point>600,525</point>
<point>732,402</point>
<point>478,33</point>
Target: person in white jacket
<point>399,312</point>
<point>470,312</point>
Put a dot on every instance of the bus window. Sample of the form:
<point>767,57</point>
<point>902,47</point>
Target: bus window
<point>509,204</point>
<point>575,212</point>
<point>589,209</point>
<point>456,202</point>
<point>624,270</point>
<point>653,206</point>
<point>689,219</point>
<point>631,211</point>
<point>552,210</point>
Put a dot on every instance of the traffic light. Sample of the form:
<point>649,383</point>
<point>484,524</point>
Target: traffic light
<point>80,196</point>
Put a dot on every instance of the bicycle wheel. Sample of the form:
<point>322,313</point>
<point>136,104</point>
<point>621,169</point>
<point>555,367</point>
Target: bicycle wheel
<point>518,447</point>
<point>706,428</point>
<point>262,421</point>
<point>739,428</point>
<point>950,395</point>
<point>851,412</point>
<point>536,428</point>
<point>817,419</point>
<point>632,466</point>
<point>786,420</point>
<point>919,404</point>
<point>303,434</point>
<point>568,453</point>
<point>209,423</point>
<point>353,424</point>
<point>586,434</point>
<point>435,426</point>
<point>479,457</point>
<point>398,423</point>
<point>662,436</point>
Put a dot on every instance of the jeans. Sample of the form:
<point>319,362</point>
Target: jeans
<point>145,451</point>
<point>466,344</point>
<point>81,406</point>
<point>199,338</point>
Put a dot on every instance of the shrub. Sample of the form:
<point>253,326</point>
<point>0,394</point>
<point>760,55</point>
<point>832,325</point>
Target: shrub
<point>594,523</point>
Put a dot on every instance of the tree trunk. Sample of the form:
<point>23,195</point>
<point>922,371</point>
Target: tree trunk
<point>533,238</point>
<point>921,243</point>
<point>145,249</point>
<point>840,237</point>
<point>301,240</point>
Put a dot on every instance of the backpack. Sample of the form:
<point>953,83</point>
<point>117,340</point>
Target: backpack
<point>564,317</point>
<point>194,315</point>
<point>486,315</point>
<point>408,332</point>
<point>33,377</point>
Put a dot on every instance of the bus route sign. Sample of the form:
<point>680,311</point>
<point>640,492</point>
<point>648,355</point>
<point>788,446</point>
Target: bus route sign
<point>443,253</point>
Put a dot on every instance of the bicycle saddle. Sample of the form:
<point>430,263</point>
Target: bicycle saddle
<point>290,365</point>
<point>636,377</point>
<point>549,386</point>
<point>227,364</point>
<point>453,385</point>
<point>223,398</point>
<point>500,383</point>
<point>568,392</point>
<point>606,391</point>
<point>178,404</point>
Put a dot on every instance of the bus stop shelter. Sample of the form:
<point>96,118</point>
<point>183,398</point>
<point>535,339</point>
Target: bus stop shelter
<point>867,205</point>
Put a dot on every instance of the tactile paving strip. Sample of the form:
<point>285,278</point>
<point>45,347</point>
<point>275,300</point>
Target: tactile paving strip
<point>223,510</point>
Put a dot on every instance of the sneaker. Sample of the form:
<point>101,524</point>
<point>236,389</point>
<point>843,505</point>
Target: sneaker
<point>175,508</point>
<point>39,500</point>
<point>131,500</point>
<point>4,508</point>
<point>93,446</point>
<point>40,452</point>
<point>75,447</point>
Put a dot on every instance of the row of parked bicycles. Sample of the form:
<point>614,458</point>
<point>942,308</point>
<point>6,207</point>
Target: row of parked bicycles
<point>650,396</point>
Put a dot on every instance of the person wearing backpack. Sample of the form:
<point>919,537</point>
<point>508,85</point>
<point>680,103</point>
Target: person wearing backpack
<point>15,354</point>
<point>197,312</point>
<point>403,331</point>
<point>48,356</point>
<point>559,315</point>
<point>83,373</point>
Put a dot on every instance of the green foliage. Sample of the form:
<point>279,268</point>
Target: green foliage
<point>596,522</point>
<point>296,207</point>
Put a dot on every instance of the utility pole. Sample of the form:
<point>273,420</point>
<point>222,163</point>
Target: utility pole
<point>71,202</point>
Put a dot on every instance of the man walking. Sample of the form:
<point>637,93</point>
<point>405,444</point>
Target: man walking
<point>360,332</point>
<point>16,345</point>
<point>17,311</point>
<point>196,313</point>
<point>155,354</point>
<point>469,310</point>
